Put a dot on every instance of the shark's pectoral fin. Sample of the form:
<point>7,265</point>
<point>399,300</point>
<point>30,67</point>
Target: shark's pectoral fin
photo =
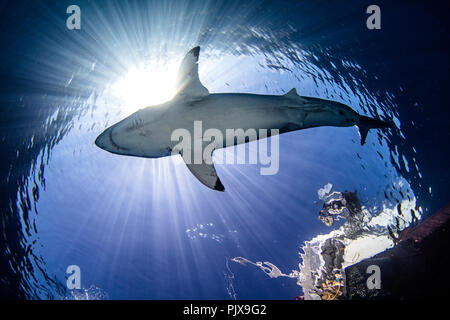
<point>201,164</point>
<point>188,83</point>
<point>207,175</point>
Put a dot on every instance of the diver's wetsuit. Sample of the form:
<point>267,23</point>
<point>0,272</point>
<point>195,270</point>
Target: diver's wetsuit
<point>347,200</point>
<point>353,205</point>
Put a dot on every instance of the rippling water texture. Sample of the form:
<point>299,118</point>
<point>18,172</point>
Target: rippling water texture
<point>141,228</point>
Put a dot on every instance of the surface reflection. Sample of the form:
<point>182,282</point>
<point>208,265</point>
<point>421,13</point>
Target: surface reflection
<point>124,220</point>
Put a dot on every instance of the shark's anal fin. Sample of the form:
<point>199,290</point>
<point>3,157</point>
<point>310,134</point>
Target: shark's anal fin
<point>207,175</point>
<point>188,84</point>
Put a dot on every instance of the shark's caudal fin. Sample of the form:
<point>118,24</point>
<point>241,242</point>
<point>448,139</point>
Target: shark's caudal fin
<point>366,123</point>
<point>188,83</point>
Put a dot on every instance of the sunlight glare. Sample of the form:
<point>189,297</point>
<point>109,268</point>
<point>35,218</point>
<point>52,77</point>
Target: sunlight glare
<point>146,86</point>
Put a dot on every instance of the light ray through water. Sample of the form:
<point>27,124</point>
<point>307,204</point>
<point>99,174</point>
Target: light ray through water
<point>131,214</point>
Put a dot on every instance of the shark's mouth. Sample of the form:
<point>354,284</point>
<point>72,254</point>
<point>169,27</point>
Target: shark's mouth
<point>115,145</point>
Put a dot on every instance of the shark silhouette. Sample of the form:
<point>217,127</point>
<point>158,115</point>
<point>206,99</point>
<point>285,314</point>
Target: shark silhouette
<point>147,132</point>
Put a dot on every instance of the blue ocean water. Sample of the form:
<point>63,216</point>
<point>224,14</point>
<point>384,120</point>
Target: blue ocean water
<point>146,228</point>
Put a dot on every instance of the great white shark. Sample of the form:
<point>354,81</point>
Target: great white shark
<point>147,132</point>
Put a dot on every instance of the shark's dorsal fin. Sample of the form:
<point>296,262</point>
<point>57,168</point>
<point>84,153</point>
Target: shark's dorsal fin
<point>188,84</point>
<point>292,93</point>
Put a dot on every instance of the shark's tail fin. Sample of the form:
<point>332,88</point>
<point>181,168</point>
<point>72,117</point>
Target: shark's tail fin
<point>366,123</point>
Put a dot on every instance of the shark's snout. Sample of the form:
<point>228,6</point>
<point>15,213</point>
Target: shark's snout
<point>102,140</point>
<point>106,142</point>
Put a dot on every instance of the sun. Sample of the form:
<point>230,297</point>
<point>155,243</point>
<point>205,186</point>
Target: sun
<point>149,85</point>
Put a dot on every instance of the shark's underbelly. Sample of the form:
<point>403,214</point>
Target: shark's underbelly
<point>230,123</point>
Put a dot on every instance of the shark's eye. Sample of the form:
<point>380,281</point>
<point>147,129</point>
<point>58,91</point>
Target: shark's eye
<point>341,112</point>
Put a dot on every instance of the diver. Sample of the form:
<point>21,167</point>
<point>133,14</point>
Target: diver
<point>339,205</point>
